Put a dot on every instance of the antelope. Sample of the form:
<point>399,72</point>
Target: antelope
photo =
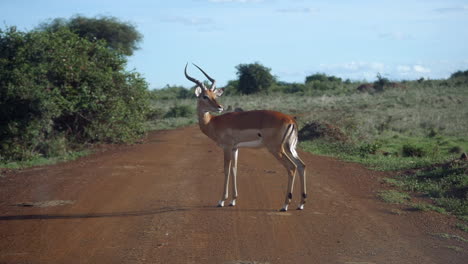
<point>275,131</point>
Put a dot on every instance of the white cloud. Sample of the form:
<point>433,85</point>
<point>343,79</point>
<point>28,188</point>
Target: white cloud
<point>355,66</point>
<point>355,70</point>
<point>403,69</point>
<point>421,69</point>
<point>305,10</point>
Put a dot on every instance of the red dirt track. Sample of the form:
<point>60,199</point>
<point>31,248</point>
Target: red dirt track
<point>155,203</point>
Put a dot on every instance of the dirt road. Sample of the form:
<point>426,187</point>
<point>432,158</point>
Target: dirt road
<point>155,203</point>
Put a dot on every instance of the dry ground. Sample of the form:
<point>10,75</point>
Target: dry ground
<point>155,203</point>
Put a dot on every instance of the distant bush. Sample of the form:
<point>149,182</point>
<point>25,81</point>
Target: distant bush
<point>322,77</point>
<point>180,111</point>
<point>459,77</point>
<point>155,114</point>
<point>459,74</point>
<point>254,78</point>
<point>231,88</point>
<point>369,148</point>
<point>172,92</point>
<point>381,83</point>
<point>58,87</point>
<point>322,82</point>
<point>409,150</point>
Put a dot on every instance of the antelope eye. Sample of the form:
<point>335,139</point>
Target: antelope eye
<point>205,97</point>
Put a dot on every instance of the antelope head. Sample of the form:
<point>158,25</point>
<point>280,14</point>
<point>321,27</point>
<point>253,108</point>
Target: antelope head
<point>206,96</point>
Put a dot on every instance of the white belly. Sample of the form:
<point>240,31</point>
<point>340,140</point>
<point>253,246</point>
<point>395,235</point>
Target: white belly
<point>250,144</point>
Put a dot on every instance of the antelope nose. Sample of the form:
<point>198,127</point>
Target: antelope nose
<point>220,109</point>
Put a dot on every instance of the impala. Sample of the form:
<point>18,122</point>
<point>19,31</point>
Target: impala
<point>275,131</point>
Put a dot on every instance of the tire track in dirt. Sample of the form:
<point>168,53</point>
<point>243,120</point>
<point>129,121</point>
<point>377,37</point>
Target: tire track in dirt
<point>155,203</point>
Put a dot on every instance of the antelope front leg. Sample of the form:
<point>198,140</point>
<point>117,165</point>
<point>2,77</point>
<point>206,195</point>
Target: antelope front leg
<point>234,176</point>
<point>227,169</point>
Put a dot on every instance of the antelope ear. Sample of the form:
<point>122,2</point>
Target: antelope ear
<point>219,92</point>
<point>198,91</point>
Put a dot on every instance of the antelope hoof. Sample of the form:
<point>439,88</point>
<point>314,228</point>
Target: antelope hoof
<point>221,203</point>
<point>301,207</point>
<point>284,209</point>
<point>233,203</point>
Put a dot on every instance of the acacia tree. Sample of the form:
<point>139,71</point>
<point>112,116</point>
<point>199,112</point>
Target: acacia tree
<point>254,78</point>
<point>118,35</point>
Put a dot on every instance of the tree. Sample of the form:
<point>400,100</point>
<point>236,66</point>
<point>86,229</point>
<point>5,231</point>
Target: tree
<point>254,78</point>
<point>381,82</point>
<point>460,76</point>
<point>58,89</point>
<point>118,35</point>
<point>322,77</point>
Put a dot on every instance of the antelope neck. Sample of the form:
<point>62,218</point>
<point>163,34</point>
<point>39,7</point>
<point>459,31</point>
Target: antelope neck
<point>204,118</point>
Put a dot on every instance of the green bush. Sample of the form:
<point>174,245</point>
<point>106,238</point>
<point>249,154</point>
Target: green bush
<point>172,92</point>
<point>180,111</point>
<point>369,148</point>
<point>381,82</point>
<point>322,77</point>
<point>58,87</point>
<point>254,78</point>
<point>409,150</point>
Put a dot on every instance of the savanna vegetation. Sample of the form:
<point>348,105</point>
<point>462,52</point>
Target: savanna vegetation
<point>416,128</point>
<point>64,86</point>
<point>60,91</point>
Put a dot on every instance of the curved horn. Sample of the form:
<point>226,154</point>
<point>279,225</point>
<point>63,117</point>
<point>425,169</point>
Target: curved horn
<point>200,84</point>
<point>213,81</point>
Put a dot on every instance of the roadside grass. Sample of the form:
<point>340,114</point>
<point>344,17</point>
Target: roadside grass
<point>390,155</point>
<point>462,227</point>
<point>450,236</point>
<point>41,161</point>
<point>392,196</point>
<point>422,206</point>
<point>455,248</point>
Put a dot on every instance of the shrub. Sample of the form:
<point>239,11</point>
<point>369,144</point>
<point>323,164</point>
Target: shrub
<point>456,150</point>
<point>381,82</point>
<point>369,148</point>
<point>459,75</point>
<point>171,92</point>
<point>409,150</point>
<point>180,111</point>
<point>322,77</point>
<point>154,114</point>
<point>254,78</point>
<point>60,87</point>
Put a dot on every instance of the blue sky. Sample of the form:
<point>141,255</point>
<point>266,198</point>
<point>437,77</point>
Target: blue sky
<point>400,39</point>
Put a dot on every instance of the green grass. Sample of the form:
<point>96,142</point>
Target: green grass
<point>351,152</point>
<point>40,161</point>
<point>462,227</point>
<point>421,206</point>
<point>455,248</point>
<point>392,196</point>
<point>450,236</point>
